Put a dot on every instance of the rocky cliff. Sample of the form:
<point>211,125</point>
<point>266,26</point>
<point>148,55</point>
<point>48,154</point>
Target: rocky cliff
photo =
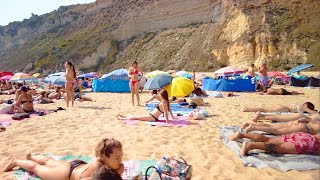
<point>165,34</point>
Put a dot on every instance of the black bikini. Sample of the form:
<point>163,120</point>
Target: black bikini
<point>74,164</point>
<point>157,107</point>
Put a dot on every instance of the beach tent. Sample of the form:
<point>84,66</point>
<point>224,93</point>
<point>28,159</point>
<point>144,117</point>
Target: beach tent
<point>299,68</point>
<point>230,70</point>
<point>309,82</point>
<point>116,81</point>
<point>180,87</point>
<point>238,85</point>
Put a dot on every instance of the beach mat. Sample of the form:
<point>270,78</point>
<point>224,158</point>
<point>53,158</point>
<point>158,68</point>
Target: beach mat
<point>260,159</point>
<point>132,167</point>
<point>175,107</point>
<point>181,121</point>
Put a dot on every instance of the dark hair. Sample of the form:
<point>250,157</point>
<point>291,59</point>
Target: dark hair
<point>164,95</point>
<point>174,98</point>
<point>74,70</point>
<point>106,146</point>
<point>309,105</point>
<point>154,92</point>
<point>252,65</point>
<point>105,173</point>
<point>24,89</point>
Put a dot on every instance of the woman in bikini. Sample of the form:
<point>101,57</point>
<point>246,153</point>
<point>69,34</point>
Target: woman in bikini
<point>108,153</point>
<point>279,117</point>
<point>295,143</point>
<point>134,81</point>
<point>307,107</point>
<point>24,102</point>
<point>70,78</point>
<point>162,108</point>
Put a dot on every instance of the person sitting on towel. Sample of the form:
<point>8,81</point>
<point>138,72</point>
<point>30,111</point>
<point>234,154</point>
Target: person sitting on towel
<point>162,108</point>
<point>24,103</point>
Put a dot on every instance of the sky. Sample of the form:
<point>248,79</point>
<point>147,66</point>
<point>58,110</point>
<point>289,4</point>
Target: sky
<point>17,10</point>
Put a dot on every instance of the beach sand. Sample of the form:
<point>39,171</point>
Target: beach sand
<point>77,131</point>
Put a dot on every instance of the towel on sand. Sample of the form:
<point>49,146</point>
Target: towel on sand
<point>259,159</point>
<point>132,167</point>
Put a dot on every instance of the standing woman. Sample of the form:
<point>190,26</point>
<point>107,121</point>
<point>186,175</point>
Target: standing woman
<point>70,79</point>
<point>134,81</point>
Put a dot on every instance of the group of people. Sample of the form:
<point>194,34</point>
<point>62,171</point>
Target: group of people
<point>298,133</point>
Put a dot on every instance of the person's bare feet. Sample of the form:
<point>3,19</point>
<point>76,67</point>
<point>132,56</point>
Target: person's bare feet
<point>244,125</point>
<point>120,117</point>
<point>256,116</point>
<point>10,165</point>
<point>234,136</point>
<point>246,146</point>
<point>249,129</point>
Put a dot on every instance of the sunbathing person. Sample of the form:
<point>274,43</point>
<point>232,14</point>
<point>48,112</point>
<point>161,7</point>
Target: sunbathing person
<point>306,107</point>
<point>56,94</point>
<point>199,92</point>
<point>24,102</point>
<point>162,108</point>
<point>301,125</point>
<point>108,153</point>
<point>43,99</point>
<point>281,91</point>
<point>81,98</point>
<point>173,99</point>
<point>279,117</point>
<point>295,143</point>
<point>105,173</point>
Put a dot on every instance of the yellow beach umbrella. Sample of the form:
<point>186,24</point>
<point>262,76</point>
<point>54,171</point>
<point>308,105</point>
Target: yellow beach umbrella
<point>180,87</point>
<point>154,73</point>
<point>36,75</point>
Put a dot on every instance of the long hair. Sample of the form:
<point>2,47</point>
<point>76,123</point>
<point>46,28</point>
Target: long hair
<point>135,62</point>
<point>164,95</point>
<point>73,69</point>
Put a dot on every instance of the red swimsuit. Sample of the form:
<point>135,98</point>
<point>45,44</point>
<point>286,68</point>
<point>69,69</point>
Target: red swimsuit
<point>134,72</point>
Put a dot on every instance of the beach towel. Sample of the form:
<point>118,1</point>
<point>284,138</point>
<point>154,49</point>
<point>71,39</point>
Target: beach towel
<point>175,107</point>
<point>132,167</point>
<point>260,159</point>
<point>180,121</point>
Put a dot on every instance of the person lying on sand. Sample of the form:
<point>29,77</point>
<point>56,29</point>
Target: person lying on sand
<point>301,125</point>
<point>306,107</point>
<point>281,91</point>
<point>157,96</point>
<point>282,117</point>
<point>199,92</point>
<point>56,94</point>
<point>42,98</point>
<point>81,98</point>
<point>108,153</point>
<point>295,143</point>
<point>162,108</point>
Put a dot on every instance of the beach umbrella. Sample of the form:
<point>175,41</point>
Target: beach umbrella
<point>154,73</point>
<point>189,76</point>
<point>5,73</point>
<point>180,87</point>
<point>56,80</point>
<point>7,77</point>
<point>36,75</point>
<point>300,68</point>
<point>57,74</point>
<point>88,75</point>
<point>230,70</point>
<point>19,77</point>
<point>180,73</point>
<point>158,82</point>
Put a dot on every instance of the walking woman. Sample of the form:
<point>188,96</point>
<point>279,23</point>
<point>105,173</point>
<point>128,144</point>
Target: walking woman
<point>70,78</point>
<point>134,81</point>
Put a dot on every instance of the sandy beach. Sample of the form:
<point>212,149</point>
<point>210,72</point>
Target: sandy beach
<point>77,130</point>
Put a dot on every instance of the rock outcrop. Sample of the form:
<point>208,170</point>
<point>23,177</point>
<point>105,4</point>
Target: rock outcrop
<point>166,34</point>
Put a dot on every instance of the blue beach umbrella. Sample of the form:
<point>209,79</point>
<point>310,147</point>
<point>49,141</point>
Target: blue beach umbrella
<point>299,68</point>
<point>56,80</point>
<point>158,82</point>
<point>87,75</point>
<point>57,74</point>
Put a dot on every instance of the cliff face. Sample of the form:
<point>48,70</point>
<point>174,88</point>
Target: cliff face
<point>166,34</point>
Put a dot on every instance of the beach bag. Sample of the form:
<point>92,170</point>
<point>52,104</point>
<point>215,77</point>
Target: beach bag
<point>171,169</point>
<point>196,115</point>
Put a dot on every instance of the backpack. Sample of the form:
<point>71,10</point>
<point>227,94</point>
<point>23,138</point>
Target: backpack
<point>171,169</point>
